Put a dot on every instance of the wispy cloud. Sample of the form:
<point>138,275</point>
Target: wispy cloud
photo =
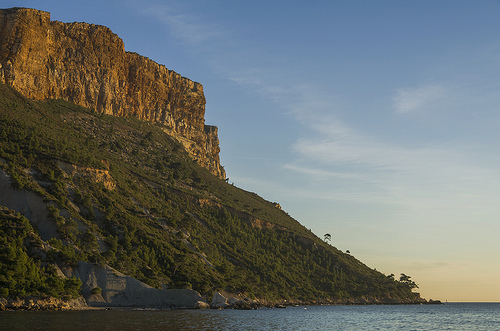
<point>325,174</point>
<point>426,179</point>
<point>336,144</point>
<point>187,27</point>
<point>415,99</point>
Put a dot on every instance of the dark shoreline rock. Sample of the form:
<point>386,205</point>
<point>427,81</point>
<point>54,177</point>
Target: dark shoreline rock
<point>237,301</point>
<point>54,304</point>
<point>41,303</point>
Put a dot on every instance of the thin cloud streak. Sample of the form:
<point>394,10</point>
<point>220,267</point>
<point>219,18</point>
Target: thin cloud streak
<point>325,174</point>
<point>336,145</point>
<point>409,100</point>
<point>333,142</point>
<point>189,29</point>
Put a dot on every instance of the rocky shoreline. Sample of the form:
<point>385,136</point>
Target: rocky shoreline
<point>105,288</point>
<point>219,301</point>
<point>42,303</point>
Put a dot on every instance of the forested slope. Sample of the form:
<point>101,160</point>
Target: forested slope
<point>121,192</point>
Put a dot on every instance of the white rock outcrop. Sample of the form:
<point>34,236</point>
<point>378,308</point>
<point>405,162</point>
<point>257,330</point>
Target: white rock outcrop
<point>119,290</point>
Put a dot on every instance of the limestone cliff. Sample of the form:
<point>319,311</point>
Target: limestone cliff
<point>87,64</point>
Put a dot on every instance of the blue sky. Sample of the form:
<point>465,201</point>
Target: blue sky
<point>374,121</point>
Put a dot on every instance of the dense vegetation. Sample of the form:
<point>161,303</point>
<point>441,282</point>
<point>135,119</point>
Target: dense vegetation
<point>121,192</point>
<point>22,274</point>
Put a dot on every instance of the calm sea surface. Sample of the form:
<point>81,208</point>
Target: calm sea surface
<point>451,316</point>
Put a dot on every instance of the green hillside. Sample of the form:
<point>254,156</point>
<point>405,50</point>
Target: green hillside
<point>119,191</point>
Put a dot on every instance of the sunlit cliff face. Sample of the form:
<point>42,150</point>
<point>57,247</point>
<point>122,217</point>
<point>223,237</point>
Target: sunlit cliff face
<point>87,64</point>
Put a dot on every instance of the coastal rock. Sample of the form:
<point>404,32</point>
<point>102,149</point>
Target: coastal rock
<point>219,301</point>
<point>201,305</point>
<point>234,302</point>
<point>87,64</point>
<point>118,290</point>
<point>34,303</point>
<point>244,304</point>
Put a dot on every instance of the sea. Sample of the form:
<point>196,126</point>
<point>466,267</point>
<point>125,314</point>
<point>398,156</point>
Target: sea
<point>449,316</point>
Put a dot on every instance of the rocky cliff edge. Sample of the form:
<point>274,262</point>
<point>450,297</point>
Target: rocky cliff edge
<point>87,64</point>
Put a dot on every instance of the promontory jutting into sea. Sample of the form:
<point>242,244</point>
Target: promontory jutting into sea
<point>112,193</point>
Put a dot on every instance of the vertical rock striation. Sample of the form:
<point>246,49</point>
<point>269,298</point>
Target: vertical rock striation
<point>87,64</point>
